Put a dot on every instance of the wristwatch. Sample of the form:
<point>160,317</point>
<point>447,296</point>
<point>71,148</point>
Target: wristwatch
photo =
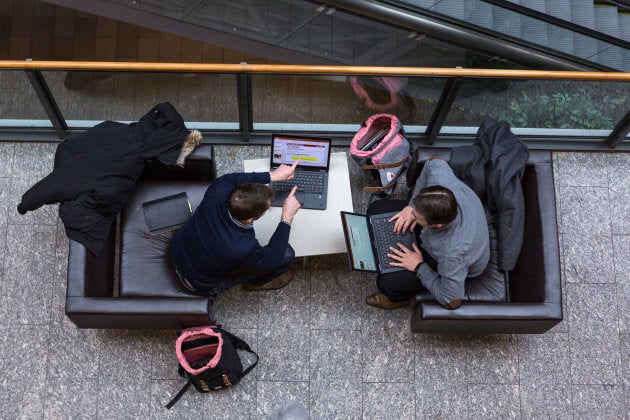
<point>418,267</point>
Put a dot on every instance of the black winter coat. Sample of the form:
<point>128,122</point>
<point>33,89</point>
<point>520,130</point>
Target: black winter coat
<point>493,167</point>
<point>94,172</point>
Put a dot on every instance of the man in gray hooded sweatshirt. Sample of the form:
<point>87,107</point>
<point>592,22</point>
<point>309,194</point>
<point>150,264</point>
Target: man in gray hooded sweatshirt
<point>454,242</point>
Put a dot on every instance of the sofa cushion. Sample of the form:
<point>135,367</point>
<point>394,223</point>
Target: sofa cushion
<point>145,265</point>
<point>489,286</point>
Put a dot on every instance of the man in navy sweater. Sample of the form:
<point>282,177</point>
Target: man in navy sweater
<point>217,249</point>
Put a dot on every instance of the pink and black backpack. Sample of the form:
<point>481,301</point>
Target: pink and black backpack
<point>381,149</point>
<point>208,358</point>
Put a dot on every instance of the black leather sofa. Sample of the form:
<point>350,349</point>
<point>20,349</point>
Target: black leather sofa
<point>534,303</point>
<point>131,283</point>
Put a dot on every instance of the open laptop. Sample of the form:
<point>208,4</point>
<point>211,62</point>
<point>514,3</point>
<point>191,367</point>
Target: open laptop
<point>311,174</point>
<point>368,239</point>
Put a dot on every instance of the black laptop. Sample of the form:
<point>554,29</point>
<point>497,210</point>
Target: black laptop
<point>368,239</point>
<point>311,174</point>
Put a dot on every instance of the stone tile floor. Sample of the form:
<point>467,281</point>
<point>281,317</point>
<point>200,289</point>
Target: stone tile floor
<point>319,343</point>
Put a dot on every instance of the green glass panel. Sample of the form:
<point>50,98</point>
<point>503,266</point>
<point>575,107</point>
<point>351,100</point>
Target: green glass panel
<point>127,96</point>
<point>572,104</point>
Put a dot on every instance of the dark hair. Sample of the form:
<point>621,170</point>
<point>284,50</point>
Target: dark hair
<point>436,204</point>
<point>249,200</point>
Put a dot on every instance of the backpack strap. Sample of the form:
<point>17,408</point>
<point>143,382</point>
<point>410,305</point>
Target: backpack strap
<point>241,344</point>
<point>179,395</point>
<point>385,165</point>
<point>380,189</point>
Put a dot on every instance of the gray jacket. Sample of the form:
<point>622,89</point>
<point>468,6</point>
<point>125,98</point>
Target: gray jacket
<point>493,167</point>
<point>460,248</point>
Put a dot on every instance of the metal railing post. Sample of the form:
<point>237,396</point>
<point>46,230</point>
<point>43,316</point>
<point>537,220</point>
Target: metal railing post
<point>48,101</point>
<point>244,93</point>
<point>442,108</point>
<point>620,131</point>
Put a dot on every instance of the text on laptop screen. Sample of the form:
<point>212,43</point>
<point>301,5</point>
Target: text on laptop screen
<point>310,152</point>
<point>359,242</point>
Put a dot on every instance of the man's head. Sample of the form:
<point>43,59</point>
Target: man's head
<point>435,207</point>
<point>249,201</point>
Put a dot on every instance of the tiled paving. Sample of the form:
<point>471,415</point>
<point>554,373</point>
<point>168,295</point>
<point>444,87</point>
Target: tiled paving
<point>319,343</point>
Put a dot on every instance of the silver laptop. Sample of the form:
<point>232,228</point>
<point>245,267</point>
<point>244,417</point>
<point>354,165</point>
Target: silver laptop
<point>311,174</point>
<point>368,239</point>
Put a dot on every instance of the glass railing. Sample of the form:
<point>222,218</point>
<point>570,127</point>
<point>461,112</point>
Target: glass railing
<point>19,105</point>
<point>529,29</point>
<point>543,104</point>
<point>84,97</point>
<point>559,110</point>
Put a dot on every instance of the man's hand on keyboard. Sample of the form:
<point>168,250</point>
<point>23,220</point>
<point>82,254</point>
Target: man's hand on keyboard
<point>290,206</point>
<point>404,220</point>
<point>405,257</point>
<point>283,172</point>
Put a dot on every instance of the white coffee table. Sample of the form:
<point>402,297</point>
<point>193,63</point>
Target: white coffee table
<point>313,232</point>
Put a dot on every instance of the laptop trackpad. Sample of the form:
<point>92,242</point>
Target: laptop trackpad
<point>280,196</point>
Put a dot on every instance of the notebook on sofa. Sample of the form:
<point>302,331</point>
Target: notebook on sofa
<point>167,213</point>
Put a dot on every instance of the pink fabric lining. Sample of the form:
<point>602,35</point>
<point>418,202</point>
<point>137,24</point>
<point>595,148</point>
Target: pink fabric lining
<point>193,334</point>
<point>392,85</point>
<point>389,142</point>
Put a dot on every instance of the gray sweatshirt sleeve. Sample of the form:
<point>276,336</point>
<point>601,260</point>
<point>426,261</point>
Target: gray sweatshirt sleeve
<point>447,285</point>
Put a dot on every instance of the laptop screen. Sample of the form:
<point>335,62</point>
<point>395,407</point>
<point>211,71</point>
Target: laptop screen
<point>313,152</point>
<point>358,241</point>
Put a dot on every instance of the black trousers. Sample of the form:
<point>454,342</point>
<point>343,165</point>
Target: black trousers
<point>400,285</point>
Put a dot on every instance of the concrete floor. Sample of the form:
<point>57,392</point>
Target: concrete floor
<point>319,343</point>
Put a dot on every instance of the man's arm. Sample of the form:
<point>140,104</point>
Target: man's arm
<point>271,255</point>
<point>447,287</point>
<point>280,237</point>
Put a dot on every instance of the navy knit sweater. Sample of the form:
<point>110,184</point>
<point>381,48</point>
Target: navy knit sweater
<point>212,243</point>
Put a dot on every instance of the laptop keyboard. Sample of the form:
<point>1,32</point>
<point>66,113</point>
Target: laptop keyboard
<point>385,237</point>
<point>309,182</point>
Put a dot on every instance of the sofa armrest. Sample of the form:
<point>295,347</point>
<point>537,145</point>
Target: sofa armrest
<point>536,276</point>
<point>486,317</point>
<point>89,274</point>
<point>199,166</point>
<point>139,313</point>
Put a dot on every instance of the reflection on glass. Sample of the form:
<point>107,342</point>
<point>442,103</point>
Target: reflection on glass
<point>321,31</point>
<point>541,103</point>
<point>530,29</point>
<point>18,99</point>
<point>341,99</point>
<point>126,96</point>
